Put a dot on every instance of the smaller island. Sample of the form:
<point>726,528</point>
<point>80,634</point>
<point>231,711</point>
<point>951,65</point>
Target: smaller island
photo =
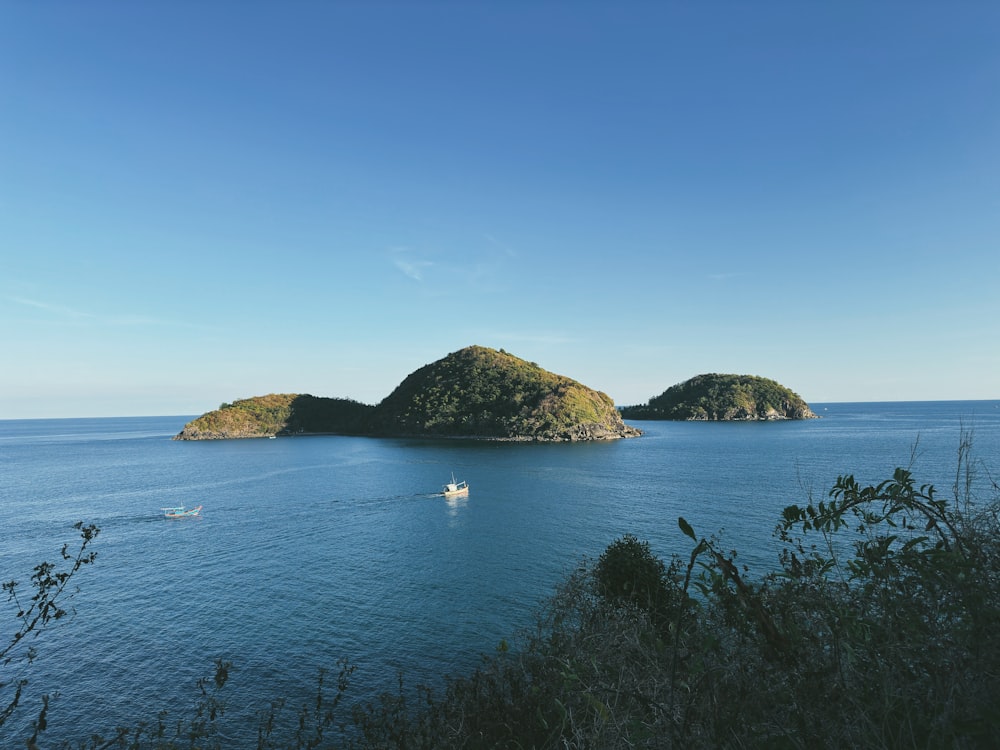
<point>716,397</point>
<point>279,414</point>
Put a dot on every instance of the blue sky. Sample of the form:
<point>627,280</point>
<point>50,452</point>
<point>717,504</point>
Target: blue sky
<point>202,201</point>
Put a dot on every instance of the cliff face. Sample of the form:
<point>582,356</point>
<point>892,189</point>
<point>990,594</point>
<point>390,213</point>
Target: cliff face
<point>475,392</point>
<point>715,397</point>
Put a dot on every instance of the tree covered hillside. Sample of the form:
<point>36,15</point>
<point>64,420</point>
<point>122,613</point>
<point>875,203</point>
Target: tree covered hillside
<point>725,398</point>
<point>475,392</point>
<point>483,392</point>
<point>278,414</point>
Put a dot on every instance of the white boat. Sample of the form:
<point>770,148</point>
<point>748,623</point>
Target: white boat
<point>179,512</point>
<point>455,488</point>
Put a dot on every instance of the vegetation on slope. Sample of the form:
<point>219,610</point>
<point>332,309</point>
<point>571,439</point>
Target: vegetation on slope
<point>474,392</point>
<point>884,639</point>
<point>723,397</point>
<point>315,414</point>
<point>278,414</point>
<point>483,392</point>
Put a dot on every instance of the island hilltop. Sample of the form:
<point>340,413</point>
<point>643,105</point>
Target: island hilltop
<point>715,397</point>
<point>475,392</point>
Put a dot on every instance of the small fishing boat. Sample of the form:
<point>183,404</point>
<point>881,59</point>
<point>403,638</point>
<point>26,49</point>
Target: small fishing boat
<point>179,512</point>
<point>455,488</point>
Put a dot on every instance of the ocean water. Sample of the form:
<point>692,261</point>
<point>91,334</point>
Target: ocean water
<point>314,549</point>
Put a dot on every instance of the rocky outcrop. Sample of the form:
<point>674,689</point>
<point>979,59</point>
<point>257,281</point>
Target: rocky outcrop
<point>598,432</point>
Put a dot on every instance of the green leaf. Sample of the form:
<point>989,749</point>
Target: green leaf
<point>601,709</point>
<point>686,528</point>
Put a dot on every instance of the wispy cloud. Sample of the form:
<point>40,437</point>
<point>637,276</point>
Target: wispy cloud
<point>61,310</point>
<point>405,261</point>
<point>476,263</point>
<point>413,268</point>
<point>508,251</point>
<point>71,314</point>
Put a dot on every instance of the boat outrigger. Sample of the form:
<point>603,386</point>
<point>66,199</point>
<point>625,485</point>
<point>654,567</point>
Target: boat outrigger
<point>455,488</point>
<point>179,512</point>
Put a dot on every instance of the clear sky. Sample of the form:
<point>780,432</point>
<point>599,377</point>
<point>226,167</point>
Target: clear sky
<point>203,201</point>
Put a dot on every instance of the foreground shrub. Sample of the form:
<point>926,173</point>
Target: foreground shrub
<point>34,611</point>
<point>628,573</point>
<point>879,630</point>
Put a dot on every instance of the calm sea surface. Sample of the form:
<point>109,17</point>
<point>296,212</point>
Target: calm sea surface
<point>312,549</point>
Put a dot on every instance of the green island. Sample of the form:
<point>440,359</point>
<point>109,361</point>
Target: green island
<point>475,392</point>
<point>715,397</point>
